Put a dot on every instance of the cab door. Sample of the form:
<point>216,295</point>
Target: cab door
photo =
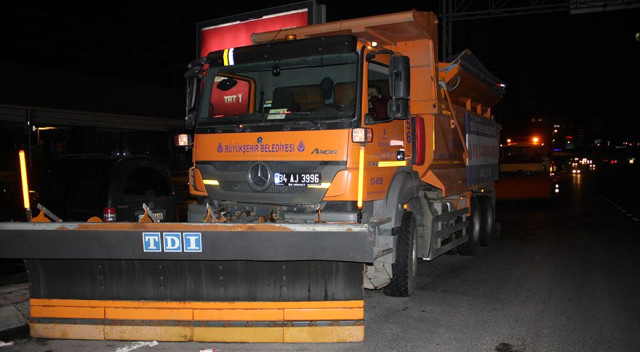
<point>386,153</point>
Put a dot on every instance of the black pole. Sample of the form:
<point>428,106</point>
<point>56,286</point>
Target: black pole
<point>28,128</point>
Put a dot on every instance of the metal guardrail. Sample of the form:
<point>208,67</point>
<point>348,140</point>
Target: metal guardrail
<point>60,117</point>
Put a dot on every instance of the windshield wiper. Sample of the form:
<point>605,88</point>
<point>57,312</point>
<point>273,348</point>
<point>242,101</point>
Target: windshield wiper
<point>292,120</point>
<point>288,124</point>
<point>229,127</point>
<point>336,110</point>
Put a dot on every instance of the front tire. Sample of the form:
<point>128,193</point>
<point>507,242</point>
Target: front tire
<point>404,270</point>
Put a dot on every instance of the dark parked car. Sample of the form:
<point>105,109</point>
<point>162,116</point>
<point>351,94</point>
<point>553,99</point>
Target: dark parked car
<point>77,187</point>
<point>11,197</point>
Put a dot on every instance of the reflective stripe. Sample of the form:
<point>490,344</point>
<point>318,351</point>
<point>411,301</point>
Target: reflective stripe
<point>228,58</point>
<point>392,163</point>
<point>433,137</point>
<point>360,177</point>
<point>55,302</point>
<point>23,177</point>
<point>231,58</point>
<point>278,333</point>
<point>290,321</point>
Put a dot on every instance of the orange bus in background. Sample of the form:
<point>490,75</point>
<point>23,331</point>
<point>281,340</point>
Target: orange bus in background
<point>525,170</point>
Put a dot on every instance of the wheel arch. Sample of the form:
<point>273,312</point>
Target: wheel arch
<point>405,185</point>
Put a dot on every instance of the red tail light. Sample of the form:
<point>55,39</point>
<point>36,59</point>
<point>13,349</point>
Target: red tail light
<point>109,214</point>
<point>419,144</point>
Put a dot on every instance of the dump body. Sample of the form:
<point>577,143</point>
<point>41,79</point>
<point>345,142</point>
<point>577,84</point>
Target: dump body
<point>326,158</point>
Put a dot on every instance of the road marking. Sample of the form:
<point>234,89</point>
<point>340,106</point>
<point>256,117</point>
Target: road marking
<point>621,209</point>
<point>136,345</point>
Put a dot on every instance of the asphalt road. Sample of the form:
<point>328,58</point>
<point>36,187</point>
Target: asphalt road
<point>561,277</point>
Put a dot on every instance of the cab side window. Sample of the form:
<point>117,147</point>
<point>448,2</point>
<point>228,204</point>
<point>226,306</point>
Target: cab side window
<point>378,91</point>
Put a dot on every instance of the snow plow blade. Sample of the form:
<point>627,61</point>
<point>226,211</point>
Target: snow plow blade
<point>193,282</point>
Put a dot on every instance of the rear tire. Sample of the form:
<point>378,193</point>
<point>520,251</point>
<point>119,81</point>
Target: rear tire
<point>403,282</point>
<point>474,230</point>
<point>487,221</point>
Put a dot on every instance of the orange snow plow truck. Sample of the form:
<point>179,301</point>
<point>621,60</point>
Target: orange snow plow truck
<point>327,159</point>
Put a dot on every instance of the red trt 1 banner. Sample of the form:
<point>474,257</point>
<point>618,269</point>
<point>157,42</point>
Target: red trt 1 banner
<point>235,34</point>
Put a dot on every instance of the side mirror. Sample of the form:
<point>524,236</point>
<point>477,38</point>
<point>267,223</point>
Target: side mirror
<point>194,68</point>
<point>399,77</point>
<point>398,108</point>
<point>190,120</point>
<point>399,87</point>
<point>193,75</point>
<point>190,94</point>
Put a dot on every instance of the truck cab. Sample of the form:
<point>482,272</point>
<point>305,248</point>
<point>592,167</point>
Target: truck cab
<point>279,126</point>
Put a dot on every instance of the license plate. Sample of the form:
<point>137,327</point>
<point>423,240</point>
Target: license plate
<point>296,179</point>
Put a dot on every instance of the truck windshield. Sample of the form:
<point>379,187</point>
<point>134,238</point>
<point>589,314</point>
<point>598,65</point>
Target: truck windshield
<point>305,91</point>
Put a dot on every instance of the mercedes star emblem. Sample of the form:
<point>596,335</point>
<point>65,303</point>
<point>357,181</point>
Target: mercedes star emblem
<point>259,176</point>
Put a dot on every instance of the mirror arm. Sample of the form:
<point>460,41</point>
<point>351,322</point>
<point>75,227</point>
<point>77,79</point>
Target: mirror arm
<point>372,54</point>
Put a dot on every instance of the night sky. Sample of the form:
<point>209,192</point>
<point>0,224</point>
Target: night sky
<point>571,69</point>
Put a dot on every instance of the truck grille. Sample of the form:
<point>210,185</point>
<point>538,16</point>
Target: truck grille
<point>275,166</point>
<point>233,186</point>
<point>232,177</point>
